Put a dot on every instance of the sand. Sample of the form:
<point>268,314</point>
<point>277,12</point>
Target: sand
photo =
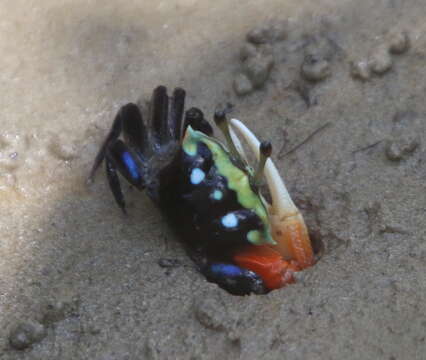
<point>78,280</point>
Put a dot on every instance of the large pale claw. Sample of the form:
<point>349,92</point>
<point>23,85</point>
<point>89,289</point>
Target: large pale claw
<point>288,227</point>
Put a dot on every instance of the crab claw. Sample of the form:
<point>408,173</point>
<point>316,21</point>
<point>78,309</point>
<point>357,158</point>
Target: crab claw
<point>288,227</point>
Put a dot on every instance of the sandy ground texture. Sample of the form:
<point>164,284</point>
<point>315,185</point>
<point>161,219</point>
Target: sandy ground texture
<point>80,281</point>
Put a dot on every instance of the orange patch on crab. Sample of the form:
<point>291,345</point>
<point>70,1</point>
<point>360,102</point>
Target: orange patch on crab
<point>292,240</point>
<point>268,264</point>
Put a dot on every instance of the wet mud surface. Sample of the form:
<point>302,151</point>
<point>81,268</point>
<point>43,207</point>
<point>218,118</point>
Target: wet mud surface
<point>337,86</point>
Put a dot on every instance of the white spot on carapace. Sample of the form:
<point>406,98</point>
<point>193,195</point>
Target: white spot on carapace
<point>217,195</point>
<point>197,175</point>
<point>230,220</point>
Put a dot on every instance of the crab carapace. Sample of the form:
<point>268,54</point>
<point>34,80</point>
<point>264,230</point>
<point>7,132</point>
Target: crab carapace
<point>209,193</point>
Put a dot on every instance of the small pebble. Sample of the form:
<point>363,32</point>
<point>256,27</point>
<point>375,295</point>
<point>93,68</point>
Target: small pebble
<point>401,146</point>
<point>242,85</point>
<point>26,334</point>
<point>257,69</point>
<point>360,70</point>
<point>381,61</point>
<point>315,68</point>
<point>399,42</point>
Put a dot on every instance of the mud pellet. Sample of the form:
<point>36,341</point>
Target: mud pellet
<point>242,85</point>
<point>257,69</point>
<point>315,68</point>
<point>360,70</point>
<point>274,30</point>
<point>399,42</point>
<point>259,35</point>
<point>400,147</point>
<point>381,61</point>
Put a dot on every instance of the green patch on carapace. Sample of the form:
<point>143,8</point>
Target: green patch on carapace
<point>238,180</point>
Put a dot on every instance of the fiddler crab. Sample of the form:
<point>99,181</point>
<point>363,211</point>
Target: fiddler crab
<point>208,192</point>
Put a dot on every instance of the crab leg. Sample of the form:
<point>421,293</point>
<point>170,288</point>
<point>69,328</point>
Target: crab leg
<point>288,227</point>
<point>222,124</point>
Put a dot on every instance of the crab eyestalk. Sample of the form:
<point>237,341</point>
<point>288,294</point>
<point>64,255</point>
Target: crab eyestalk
<point>288,227</point>
<point>265,150</point>
<point>222,124</point>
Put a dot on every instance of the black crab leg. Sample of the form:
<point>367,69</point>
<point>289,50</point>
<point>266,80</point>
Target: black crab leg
<point>134,129</point>
<point>114,184</point>
<point>176,113</point>
<point>113,134</point>
<point>120,158</point>
<point>195,118</point>
<point>232,278</point>
<point>159,115</point>
<point>127,164</point>
<point>129,121</point>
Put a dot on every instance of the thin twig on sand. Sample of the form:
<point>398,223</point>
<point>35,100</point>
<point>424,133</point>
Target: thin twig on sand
<point>367,147</point>
<point>309,137</point>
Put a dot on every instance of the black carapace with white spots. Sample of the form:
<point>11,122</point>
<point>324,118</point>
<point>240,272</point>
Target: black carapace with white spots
<point>188,188</point>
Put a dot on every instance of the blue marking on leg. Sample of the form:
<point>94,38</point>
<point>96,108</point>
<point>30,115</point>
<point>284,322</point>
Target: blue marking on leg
<point>226,270</point>
<point>236,280</point>
<point>131,165</point>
